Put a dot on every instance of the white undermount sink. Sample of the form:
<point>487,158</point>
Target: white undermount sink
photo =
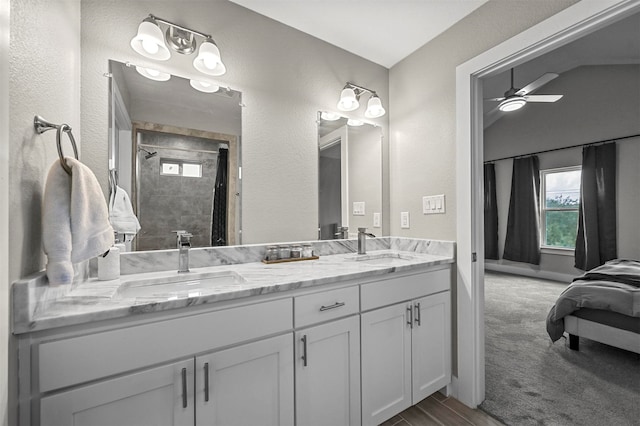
<point>387,258</point>
<point>180,285</point>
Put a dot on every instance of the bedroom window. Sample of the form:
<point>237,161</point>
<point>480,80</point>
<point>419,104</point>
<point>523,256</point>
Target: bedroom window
<point>560,193</point>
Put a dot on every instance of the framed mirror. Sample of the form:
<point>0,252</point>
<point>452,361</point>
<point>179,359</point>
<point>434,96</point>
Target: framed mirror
<point>175,149</point>
<point>349,177</point>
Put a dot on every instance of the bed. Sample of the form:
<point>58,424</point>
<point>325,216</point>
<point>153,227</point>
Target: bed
<point>603,305</point>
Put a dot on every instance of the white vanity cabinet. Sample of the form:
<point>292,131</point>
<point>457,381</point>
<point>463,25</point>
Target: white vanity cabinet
<point>328,358</point>
<point>250,384</point>
<point>406,347</point>
<point>149,397</point>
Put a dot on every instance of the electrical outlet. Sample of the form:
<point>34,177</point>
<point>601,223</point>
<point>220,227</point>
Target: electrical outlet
<point>404,220</point>
<point>376,220</point>
<point>358,208</point>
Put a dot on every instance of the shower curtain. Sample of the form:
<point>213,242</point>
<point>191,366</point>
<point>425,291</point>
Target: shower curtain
<point>596,241</point>
<point>522,243</point>
<point>219,221</point>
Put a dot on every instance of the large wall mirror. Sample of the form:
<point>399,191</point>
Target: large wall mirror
<point>350,177</point>
<point>175,149</point>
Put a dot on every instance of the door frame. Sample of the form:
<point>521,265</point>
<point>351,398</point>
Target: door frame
<point>564,27</point>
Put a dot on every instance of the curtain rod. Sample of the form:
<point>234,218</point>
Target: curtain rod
<point>565,147</point>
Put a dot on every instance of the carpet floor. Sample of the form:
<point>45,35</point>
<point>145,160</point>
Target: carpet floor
<point>530,381</point>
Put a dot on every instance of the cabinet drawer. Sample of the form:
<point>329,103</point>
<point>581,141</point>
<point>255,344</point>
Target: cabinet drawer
<point>327,305</point>
<point>80,359</point>
<point>394,290</point>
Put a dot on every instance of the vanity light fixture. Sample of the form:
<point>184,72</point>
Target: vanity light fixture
<point>150,43</point>
<point>350,96</point>
<point>204,86</point>
<point>354,123</point>
<point>330,116</point>
<point>153,74</point>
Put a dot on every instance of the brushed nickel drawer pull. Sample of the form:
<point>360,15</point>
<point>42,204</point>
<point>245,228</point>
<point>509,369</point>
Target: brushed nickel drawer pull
<point>184,388</point>
<point>410,316</point>
<point>418,313</point>
<point>206,382</point>
<point>335,305</point>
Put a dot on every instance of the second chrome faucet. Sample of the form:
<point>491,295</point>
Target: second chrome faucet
<point>184,244</point>
<point>362,240</point>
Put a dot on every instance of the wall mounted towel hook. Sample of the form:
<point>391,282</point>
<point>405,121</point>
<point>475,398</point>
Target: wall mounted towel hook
<point>41,125</point>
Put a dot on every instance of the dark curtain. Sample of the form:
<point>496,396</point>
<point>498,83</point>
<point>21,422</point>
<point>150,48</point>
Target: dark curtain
<point>490,213</point>
<point>219,224</point>
<point>522,243</point>
<point>596,240</point>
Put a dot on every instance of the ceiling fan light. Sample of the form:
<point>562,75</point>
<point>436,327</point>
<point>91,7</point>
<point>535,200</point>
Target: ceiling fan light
<point>348,100</point>
<point>153,74</point>
<point>204,86</point>
<point>374,108</point>
<point>149,41</point>
<point>512,104</point>
<point>208,60</point>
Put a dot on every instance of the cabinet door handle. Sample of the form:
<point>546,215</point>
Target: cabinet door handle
<point>304,350</point>
<point>410,316</point>
<point>335,305</point>
<point>184,388</point>
<point>417,307</point>
<point>206,382</point>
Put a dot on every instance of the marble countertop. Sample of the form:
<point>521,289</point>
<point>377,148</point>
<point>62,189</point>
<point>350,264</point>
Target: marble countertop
<point>41,307</point>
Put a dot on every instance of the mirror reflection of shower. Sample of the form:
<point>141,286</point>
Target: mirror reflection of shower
<point>148,153</point>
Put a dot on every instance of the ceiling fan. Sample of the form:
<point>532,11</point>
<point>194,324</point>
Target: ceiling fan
<point>515,99</point>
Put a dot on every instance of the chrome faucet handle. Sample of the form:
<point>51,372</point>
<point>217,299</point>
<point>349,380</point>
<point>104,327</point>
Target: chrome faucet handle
<point>364,231</point>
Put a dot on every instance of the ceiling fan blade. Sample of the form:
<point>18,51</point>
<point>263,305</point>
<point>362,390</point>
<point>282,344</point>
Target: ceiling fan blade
<point>496,99</point>
<point>538,83</point>
<point>543,98</point>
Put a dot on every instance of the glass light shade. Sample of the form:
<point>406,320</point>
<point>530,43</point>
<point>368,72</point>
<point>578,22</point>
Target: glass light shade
<point>374,108</point>
<point>329,116</point>
<point>208,60</point>
<point>511,104</point>
<point>353,122</point>
<point>149,42</point>
<point>348,100</point>
<point>152,74</point>
<point>204,86</point>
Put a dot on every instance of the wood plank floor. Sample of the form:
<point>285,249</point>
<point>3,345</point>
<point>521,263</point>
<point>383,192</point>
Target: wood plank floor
<point>439,410</point>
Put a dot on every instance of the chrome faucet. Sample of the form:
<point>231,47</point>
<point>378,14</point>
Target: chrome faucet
<point>342,232</point>
<point>184,244</point>
<point>362,240</point>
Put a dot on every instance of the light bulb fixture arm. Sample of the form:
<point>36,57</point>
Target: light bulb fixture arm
<point>359,90</point>
<point>180,27</point>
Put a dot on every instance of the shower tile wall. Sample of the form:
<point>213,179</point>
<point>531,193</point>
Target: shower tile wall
<point>169,203</point>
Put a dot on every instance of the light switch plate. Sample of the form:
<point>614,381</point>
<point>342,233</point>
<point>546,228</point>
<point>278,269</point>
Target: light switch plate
<point>433,204</point>
<point>358,208</point>
<point>404,220</point>
<point>376,220</point>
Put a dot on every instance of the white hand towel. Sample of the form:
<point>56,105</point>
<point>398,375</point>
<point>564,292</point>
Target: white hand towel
<point>121,215</point>
<point>75,220</point>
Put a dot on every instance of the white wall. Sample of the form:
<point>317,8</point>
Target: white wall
<point>285,77</point>
<point>44,79</point>
<point>422,130</point>
<point>591,110</point>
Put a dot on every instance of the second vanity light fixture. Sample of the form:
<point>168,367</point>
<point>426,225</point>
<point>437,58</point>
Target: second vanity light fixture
<point>150,43</point>
<point>350,97</point>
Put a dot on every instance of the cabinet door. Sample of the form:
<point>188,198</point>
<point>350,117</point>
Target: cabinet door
<point>328,374</point>
<point>156,396</point>
<point>386,362</point>
<point>245,385</point>
<point>431,344</point>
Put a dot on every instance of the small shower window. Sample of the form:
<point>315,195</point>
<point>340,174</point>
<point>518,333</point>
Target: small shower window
<point>178,168</point>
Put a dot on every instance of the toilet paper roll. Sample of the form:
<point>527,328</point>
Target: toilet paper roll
<point>109,265</point>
